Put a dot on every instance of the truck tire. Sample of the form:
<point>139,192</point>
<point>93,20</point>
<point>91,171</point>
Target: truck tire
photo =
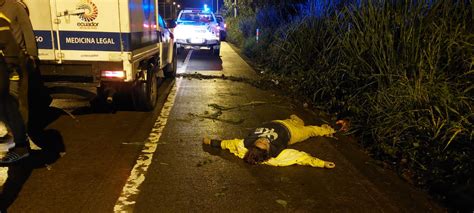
<point>171,68</point>
<point>145,93</point>
<point>180,50</point>
<point>216,52</point>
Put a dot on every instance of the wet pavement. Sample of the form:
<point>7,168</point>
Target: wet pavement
<point>176,173</point>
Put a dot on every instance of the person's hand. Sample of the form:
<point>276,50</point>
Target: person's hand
<point>206,140</point>
<point>345,125</point>
<point>329,165</point>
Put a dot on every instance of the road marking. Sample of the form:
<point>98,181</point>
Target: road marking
<point>3,175</point>
<point>126,201</point>
<point>185,63</point>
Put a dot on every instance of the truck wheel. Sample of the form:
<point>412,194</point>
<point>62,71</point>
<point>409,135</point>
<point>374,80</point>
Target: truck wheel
<point>145,93</point>
<point>216,52</point>
<point>170,71</point>
<point>180,50</point>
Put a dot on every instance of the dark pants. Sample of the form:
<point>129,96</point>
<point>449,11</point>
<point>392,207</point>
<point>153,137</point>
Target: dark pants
<point>9,106</point>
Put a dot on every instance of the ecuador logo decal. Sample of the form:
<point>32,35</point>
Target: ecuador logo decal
<point>90,9</point>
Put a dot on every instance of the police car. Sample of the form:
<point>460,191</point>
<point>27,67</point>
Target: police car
<point>197,29</point>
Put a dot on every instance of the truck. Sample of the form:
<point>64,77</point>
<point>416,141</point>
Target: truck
<point>101,48</point>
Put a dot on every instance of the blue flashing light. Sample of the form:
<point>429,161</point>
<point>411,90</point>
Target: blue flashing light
<point>206,8</point>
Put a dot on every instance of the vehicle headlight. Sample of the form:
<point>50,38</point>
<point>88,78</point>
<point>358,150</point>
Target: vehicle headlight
<point>179,32</point>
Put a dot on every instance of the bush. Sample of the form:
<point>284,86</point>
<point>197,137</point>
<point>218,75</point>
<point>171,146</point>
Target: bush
<point>234,35</point>
<point>401,70</point>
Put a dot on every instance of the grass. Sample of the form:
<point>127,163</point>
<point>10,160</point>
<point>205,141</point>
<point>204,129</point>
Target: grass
<point>402,71</point>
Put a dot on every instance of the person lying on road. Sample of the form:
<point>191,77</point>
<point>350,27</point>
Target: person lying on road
<point>268,143</point>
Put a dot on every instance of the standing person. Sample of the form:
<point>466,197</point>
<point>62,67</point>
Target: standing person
<point>23,34</point>
<point>11,58</point>
<point>21,26</point>
<point>39,97</point>
<point>268,143</point>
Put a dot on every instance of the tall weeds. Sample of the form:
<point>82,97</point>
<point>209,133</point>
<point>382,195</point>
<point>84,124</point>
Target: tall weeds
<point>401,70</point>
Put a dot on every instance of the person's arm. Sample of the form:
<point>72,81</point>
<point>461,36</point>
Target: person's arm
<point>235,146</point>
<point>290,157</point>
<point>27,31</point>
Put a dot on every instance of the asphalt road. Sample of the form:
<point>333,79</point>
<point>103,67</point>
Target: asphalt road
<point>122,160</point>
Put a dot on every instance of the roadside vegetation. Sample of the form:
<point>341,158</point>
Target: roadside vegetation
<point>401,71</point>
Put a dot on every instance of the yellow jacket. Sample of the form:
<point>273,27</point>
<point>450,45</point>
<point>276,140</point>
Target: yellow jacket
<point>286,158</point>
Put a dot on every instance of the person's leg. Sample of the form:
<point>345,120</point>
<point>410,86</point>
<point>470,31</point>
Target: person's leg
<point>10,114</point>
<point>23,92</point>
<point>15,122</point>
<point>18,129</point>
<point>4,89</point>
<point>299,132</point>
<point>304,132</point>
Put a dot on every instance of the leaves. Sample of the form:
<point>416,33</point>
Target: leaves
<point>282,203</point>
<point>402,70</point>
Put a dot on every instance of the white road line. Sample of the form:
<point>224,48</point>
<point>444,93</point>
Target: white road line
<point>3,175</point>
<point>126,201</point>
<point>186,62</point>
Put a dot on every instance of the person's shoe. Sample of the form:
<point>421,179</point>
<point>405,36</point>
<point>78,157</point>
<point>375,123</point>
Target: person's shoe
<point>6,143</point>
<point>33,145</point>
<point>15,155</point>
<point>343,125</point>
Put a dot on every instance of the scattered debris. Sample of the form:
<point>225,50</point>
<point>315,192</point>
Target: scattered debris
<point>252,104</point>
<point>262,82</point>
<point>219,194</point>
<point>282,202</point>
<point>215,116</point>
<point>48,167</point>
<point>70,114</point>
<point>133,143</point>
<point>204,162</point>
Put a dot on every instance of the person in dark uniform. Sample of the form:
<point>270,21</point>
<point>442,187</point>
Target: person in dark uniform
<point>34,97</point>
<point>11,58</point>
<point>268,143</point>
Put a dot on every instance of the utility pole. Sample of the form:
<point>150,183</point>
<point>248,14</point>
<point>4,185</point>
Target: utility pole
<point>217,8</point>
<point>235,8</point>
<point>173,11</point>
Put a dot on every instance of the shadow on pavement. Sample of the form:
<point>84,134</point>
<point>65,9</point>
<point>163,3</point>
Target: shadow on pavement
<point>51,143</point>
<point>123,101</point>
<point>204,60</point>
<point>224,154</point>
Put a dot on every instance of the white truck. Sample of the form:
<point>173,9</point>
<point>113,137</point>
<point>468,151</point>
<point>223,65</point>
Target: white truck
<point>112,46</point>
